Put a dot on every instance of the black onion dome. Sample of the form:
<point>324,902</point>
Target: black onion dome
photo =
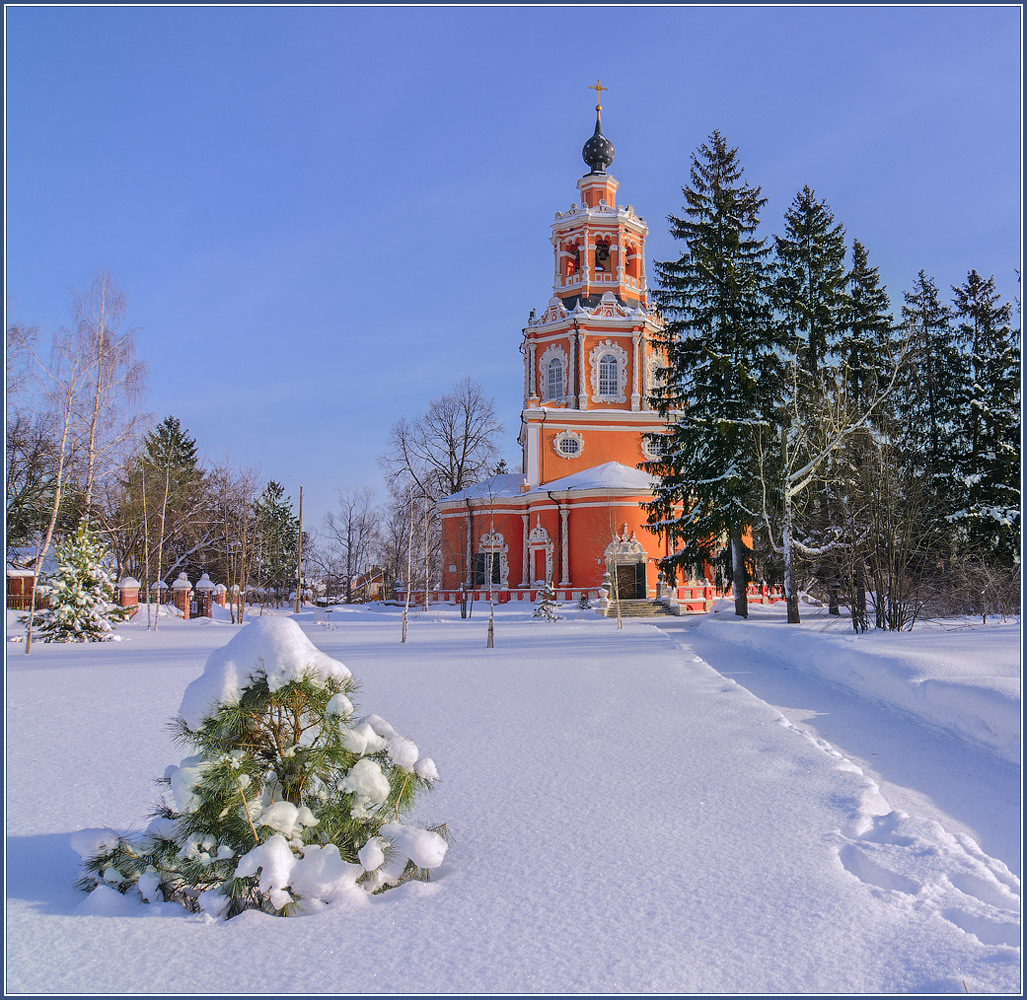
<point>598,151</point>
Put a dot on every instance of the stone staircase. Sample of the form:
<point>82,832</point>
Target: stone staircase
<point>636,609</point>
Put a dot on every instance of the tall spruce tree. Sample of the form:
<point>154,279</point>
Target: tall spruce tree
<point>721,366</point>
<point>865,348</point>
<point>277,534</point>
<point>811,300</point>
<point>931,394</point>
<point>989,467</point>
<point>809,289</point>
<point>167,478</point>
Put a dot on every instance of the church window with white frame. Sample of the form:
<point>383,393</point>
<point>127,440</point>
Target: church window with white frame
<point>655,446</point>
<point>609,372</point>
<point>553,372</point>
<point>568,444</point>
<point>554,379</point>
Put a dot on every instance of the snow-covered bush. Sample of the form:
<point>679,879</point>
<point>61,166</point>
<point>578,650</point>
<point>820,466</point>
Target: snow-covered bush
<point>287,802</point>
<point>80,593</point>
<point>584,604</point>
<point>546,609</point>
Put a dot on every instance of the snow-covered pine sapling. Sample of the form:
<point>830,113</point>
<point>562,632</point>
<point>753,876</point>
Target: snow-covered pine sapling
<point>584,604</point>
<point>546,609</point>
<point>80,593</point>
<point>288,802</point>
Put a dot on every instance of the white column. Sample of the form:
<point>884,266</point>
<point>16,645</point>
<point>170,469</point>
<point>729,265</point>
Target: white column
<point>635,397</point>
<point>532,389</point>
<point>569,394</point>
<point>525,554</point>
<point>565,580</point>
<point>647,389</point>
<point>582,391</point>
<point>527,353</point>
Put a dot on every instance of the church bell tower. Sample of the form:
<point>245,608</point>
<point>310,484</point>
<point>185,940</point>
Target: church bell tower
<point>590,359</point>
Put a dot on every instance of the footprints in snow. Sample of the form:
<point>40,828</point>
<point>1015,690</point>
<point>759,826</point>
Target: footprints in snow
<point>922,864</point>
<point>916,862</point>
<point>929,868</point>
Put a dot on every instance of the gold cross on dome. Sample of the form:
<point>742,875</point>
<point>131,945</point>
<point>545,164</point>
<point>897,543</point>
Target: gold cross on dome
<point>598,88</point>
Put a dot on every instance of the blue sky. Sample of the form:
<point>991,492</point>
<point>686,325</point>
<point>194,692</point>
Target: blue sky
<point>323,217</point>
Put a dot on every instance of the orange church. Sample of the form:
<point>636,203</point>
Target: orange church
<point>590,361</point>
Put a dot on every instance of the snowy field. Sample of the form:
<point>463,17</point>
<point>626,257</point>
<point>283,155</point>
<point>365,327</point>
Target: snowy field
<point>702,805</point>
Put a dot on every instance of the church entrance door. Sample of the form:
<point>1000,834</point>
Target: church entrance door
<point>631,582</point>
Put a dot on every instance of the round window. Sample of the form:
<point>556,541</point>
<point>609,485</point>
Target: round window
<point>568,444</point>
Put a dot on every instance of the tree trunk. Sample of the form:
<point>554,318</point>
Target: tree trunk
<point>791,593</point>
<point>739,576</point>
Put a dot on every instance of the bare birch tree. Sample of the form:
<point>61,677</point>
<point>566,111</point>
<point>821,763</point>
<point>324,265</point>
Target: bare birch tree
<point>63,378</point>
<point>116,378</point>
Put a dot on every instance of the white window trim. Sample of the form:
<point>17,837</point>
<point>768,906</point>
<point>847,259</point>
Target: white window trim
<point>565,436</point>
<point>621,357</point>
<point>494,543</point>
<point>553,351</point>
<point>648,451</point>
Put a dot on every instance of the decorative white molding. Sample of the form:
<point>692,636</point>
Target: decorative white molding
<point>571,452</point>
<point>493,542</point>
<point>621,357</point>
<point>652,379</point>
<point>551,352</point>
<point>624,549</point>
<point>648,451</point>
<point>582,395</point>
<point>636,392</point>
<point>538,538</point>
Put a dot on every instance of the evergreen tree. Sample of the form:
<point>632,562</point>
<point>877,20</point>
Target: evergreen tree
<point>989,468</point>
<point>179,521</point>
<point>277,532</point>
<point>931,393</point>
<point>809,290</point>
<point>721,366</point>
<point>289,803</point>
<point>80,593</point>
<point>865,343</point>
<point>546,607</point>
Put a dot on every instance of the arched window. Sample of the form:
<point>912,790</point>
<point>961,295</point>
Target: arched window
<point>554,379</point>
<point>572,262</point>
<point>608,376</point>
<point>633,262</point>
<point>602,256</point>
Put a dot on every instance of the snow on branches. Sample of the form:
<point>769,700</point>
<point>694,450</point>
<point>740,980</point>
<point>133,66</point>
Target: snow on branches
<point>288,802</point>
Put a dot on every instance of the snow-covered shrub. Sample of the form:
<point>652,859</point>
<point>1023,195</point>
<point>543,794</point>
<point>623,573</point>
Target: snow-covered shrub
<point>80,593</point>
<point>546,609</point>
<point>584,604</point>
<point>287,803</point>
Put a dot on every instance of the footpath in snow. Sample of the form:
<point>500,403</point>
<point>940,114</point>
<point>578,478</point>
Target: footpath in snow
<point>627,815</point>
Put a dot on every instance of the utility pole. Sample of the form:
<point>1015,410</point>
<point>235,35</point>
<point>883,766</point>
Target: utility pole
<point>299,557</point>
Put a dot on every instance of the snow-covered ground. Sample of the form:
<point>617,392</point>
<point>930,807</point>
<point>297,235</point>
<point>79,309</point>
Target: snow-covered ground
<point>701,805</point>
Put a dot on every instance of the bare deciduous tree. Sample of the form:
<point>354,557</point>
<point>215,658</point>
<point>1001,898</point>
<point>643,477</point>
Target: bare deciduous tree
<point>62,382</point>
<point>453,445</point>
<point>350,535</point>
<point>116,377</point>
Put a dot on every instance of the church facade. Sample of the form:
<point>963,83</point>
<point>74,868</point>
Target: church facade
<point>591,358</point>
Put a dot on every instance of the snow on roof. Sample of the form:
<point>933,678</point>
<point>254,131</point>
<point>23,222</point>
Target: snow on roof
<point>608,476</point>
<point>503,484</point>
